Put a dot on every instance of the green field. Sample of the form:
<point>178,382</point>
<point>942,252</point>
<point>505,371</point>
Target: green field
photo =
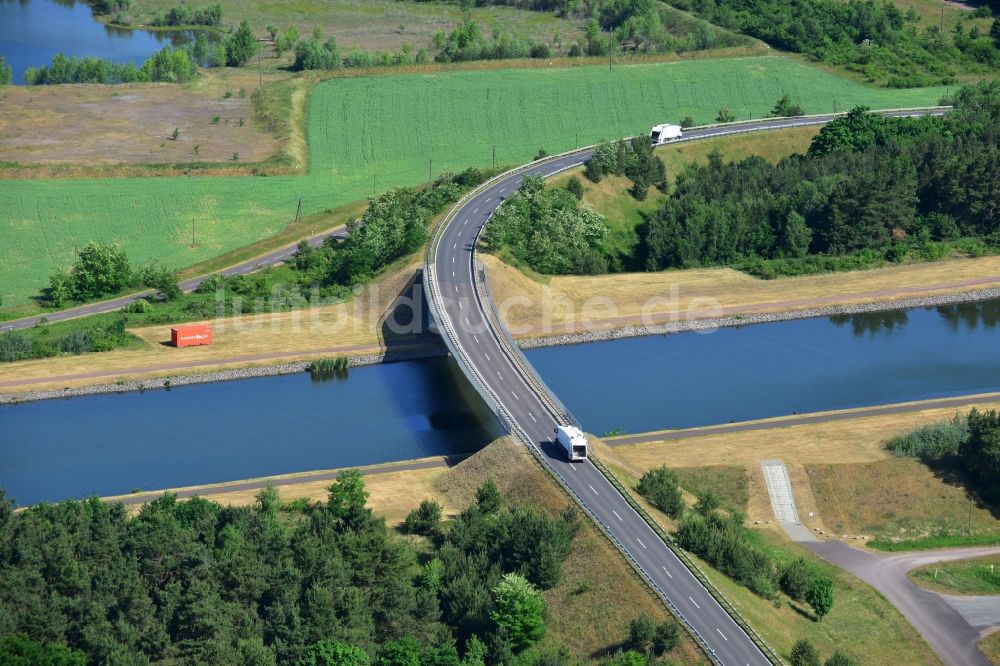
<point>393,129</point>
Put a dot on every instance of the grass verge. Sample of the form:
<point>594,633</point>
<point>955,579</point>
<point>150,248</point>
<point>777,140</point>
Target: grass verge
<point>979,575</point>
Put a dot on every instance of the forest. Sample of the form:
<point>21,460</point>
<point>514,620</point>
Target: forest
<point>307,583</point>
<point>870,189</point>
<point>872,37</point>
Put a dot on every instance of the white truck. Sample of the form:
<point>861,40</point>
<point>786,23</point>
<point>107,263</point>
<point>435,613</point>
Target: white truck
<point>573,442</point>
<point>664,133</point>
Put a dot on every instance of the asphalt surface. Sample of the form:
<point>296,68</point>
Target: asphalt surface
<point>272,258</point>
<point>943,627</point>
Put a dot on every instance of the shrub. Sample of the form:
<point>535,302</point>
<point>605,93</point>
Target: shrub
<point>641,632</point>
<point>488,497</point>
<point>575,186</point>
<point>425,519</point>
<point>688,121</point>
<point>841,659</point>
<point>660,487</point>
<point>667,637</point>
<point>16,346</point>
<point>804,653</point>
<point>520,610</point>
<point>795,579</point>
<point>725,115</point>
<point>931,442</point>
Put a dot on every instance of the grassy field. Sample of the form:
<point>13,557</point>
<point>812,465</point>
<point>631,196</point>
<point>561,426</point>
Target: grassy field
<point>980,575</point>
<point>862,621</point>
<point>839,470</point>
<point>897,500</point>
<point>369,133</point>
<point>378,25</point>
<point>60,131</point>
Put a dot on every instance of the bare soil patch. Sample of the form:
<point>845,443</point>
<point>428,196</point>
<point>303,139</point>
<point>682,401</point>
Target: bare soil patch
<point>132,124</point>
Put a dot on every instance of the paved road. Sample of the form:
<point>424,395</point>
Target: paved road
<point>943,627</point>
<point>805,419</point>
<point>249,266</point>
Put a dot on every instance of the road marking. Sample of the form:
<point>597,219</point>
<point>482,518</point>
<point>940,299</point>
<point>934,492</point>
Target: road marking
<point>453,273</point>
<point>640,542</point>
<point>592,488</point>
<point>486,355</point>
<point>460,305</point>
<point>467,322</point>
<point>532,417</point>
<point>475,211</point>
<point>453,260</point>
<point>499,375</point>
<point>667,572</point>
<point>616,514</point>
<point>464,223</point>
<point>476,337</point>
<point>515,395</point>
<point>455,246</point>
<point>722,634</point>
<point>695,603</point>
<point>456,286</point>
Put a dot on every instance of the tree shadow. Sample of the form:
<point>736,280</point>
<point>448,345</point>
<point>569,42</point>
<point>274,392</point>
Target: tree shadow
<point>951,471</point>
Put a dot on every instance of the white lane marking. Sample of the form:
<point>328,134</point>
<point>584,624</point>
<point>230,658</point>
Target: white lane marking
<point>722,634</point>
<point>486,355</point>
<point>499,375</point>
<point>640,542</point>
<point>464,223</point>
<point>453,273</point>
<point>455,246</point>
<point>467,322</point>
<point>475,211</point>
<point>460,305</point>
<point>453,260</point>
<point>616,514</point>
<point>456,286</point>
<point>667,572</point>
<point>532,417</point>
<point>695,603</point>
<point>476,337</point>
<point>592,488</point>
<point>515,395</point>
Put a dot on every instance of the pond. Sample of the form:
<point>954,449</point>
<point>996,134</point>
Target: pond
<point>32,31</point>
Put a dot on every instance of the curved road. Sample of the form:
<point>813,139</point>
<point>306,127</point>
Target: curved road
<point>507,383</point>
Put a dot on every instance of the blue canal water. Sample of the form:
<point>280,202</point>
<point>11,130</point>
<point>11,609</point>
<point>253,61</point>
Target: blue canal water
<point>111,444</point>
<point>736,374</point>
<point>32,31</point>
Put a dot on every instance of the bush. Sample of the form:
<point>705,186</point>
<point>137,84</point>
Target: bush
<point>425,519</point>
<point>725,115</point>
<point>576,187</point>
<point>488,497</point>
<point>520,610</point>
<point>641,632</point>
<point>931,442</point>
<point>726,544</point>
<point>660,487</point>
<point>841,659</point>
<point>668,636</point>
<point>795,579</point>
<point>804,653</point>
<point>16,346</point>
<point>688,121</point>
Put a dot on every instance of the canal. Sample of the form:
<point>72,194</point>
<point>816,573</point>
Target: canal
<point>111,444</point>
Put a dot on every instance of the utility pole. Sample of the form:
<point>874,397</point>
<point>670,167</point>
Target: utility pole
<point>298,211</point>
<point>192,233</point>
<point>430,166</point>
<point>970,515</point>
<point>611,46</point>
<point>373,186</point>
<point>835,105</point>
<point>260,62</point>
<point>494,156</point>
<point>942,20</point>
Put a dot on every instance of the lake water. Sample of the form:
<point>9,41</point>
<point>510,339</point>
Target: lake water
<point>111,444</point>
<point>32,31</point>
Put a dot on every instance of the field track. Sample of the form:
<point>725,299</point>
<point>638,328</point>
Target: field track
<point>369,134</point>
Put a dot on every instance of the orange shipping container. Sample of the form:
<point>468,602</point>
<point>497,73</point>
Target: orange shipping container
<point>188,336</point>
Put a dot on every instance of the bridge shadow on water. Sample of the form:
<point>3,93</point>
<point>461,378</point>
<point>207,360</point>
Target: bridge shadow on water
<point>455,409</point>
